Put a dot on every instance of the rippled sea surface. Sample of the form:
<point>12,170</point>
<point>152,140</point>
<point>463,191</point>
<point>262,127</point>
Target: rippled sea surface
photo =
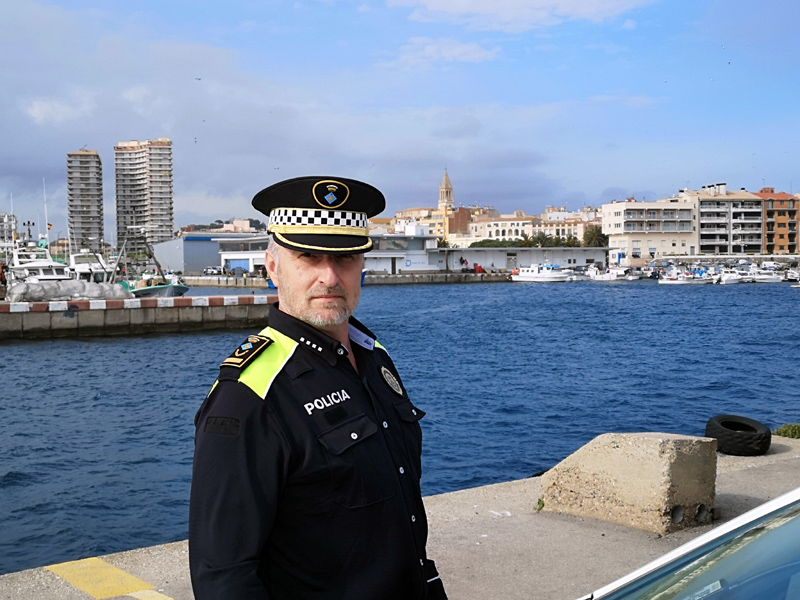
<point>96,445</point>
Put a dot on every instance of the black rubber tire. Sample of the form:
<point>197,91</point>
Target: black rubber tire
<point>739,436</point>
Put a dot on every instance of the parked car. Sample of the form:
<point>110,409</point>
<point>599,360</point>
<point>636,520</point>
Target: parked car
<point>754,556</point>
<point>212,271</point>
<point>238,272</point>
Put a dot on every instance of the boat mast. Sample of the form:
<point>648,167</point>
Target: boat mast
<point>46,222</point>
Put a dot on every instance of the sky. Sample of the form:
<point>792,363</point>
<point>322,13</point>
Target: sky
<point>526,103</point>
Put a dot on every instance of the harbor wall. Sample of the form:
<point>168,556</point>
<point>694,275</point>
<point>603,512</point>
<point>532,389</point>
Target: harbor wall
<point>369,279</point>
<point>78,318</point>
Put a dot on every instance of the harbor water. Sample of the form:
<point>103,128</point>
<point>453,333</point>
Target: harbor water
<point>97,442</point>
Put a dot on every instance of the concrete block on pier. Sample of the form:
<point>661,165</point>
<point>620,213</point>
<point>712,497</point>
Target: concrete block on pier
<point>117,322</point>
<point>36,324</point>
<point>11,325</point>
<point>658,482</point>
<point>91,322</point>
<point>63,323</point>
<point>236,316</point>
<point>190,317</point>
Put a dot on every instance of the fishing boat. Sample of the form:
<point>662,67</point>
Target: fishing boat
<point>32,263</point>
<point>151,286</point>
<point>90,266</point>
<point>543,274</point>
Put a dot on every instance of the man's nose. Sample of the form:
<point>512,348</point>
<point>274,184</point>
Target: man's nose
<point>328,274</point>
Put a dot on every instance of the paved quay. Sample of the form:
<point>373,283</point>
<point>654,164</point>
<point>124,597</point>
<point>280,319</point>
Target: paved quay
<point>488,543</point>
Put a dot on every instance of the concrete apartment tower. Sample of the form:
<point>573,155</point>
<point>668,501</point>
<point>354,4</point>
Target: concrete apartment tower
<point>85,200</point>
<point>143,172</point>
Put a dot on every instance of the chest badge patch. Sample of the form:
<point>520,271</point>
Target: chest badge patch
<point>392,381</point>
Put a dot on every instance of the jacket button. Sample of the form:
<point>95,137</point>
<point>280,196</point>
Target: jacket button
<point>354,435</point>
<point>340,351</point>
<point>385,425</point>
<point>402,470</point>
<point>413,519</point>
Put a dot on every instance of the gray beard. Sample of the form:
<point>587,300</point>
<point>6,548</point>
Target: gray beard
<point>342,317</point>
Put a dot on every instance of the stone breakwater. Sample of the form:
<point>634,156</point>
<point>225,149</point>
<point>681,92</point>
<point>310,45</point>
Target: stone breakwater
<point>78,318</point>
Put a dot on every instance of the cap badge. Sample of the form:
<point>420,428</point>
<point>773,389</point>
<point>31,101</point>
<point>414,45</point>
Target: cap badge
<point>392,381</point>
<point>331,199</point>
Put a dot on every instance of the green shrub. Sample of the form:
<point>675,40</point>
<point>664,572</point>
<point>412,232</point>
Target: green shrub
<point>790,430</point>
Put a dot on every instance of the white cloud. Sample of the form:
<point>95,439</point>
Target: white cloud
<point>629,24</point>
<point>421,51</point>
<point>46,111</point>
<point>515,16</point>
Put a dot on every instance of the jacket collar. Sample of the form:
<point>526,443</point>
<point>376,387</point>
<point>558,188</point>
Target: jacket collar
<point>316,341</point>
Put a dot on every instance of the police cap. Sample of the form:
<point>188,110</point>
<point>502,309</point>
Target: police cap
<point>326,215</point>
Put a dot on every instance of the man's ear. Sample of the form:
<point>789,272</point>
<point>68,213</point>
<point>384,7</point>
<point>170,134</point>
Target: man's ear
<point>272,267</point>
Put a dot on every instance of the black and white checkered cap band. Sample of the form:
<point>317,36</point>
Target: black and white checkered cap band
<point>283,218</point>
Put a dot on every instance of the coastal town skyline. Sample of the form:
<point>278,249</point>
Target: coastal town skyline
<point>527,104</point>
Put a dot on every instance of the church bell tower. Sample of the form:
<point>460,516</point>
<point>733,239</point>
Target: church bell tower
<point>446,194</point>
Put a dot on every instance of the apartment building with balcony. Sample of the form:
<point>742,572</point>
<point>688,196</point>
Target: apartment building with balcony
<point>780,221</point>
<point>728,222</point>
<point>8,229</point>
<point>85,200</point>
<point>640,231</point>
<point>144,192</point>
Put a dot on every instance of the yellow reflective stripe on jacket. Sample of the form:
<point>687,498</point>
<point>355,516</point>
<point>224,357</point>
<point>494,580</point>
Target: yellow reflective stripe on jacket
<point>260,373</point>
<point>379,345</point>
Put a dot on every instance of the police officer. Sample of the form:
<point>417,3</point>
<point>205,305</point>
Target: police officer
<point>306,480</point>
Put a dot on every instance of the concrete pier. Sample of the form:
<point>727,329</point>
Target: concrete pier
<point>37,320</point>
<point>488,542</point>
<point>369,279</point>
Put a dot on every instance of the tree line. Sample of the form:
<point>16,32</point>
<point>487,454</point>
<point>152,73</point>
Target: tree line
<point>593,237</point>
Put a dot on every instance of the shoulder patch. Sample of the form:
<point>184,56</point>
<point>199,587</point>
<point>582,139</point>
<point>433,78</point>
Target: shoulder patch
<point>252,347</point>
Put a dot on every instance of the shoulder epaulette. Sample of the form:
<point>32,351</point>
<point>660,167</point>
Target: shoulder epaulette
<point>244,354</point>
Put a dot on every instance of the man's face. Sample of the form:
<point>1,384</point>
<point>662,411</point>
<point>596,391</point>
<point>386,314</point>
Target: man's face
<point>321,289</point>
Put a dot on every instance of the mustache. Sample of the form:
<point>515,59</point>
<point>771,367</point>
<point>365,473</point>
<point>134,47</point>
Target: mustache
<point>325,291</point>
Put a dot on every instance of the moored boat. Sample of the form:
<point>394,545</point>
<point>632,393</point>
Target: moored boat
<point>543,274</point>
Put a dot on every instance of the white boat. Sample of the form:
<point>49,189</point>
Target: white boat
<point>89,266</point>
<point>611,274</point>
<point>766,276</point>
<point>31,263</point>
<point>543,274</point>
<point>792,275</point>
<point>728,277</point>
<point>676,277</point>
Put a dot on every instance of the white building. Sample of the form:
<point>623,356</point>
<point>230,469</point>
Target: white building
<point>642,231</point>
<point>85,200</point>
<point>729,222</point>
<point>502,227</point>
<point>8,228</point>
<point>144,194</point>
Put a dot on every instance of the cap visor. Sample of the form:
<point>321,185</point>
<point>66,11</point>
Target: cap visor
<point>325,244</point>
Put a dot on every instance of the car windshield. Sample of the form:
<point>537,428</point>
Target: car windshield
<point>759,560</point>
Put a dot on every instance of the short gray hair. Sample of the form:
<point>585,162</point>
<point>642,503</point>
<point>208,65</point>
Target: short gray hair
<point>273,248</point>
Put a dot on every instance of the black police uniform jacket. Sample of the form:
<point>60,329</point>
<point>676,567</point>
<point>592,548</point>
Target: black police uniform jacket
<point>306,479</point>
